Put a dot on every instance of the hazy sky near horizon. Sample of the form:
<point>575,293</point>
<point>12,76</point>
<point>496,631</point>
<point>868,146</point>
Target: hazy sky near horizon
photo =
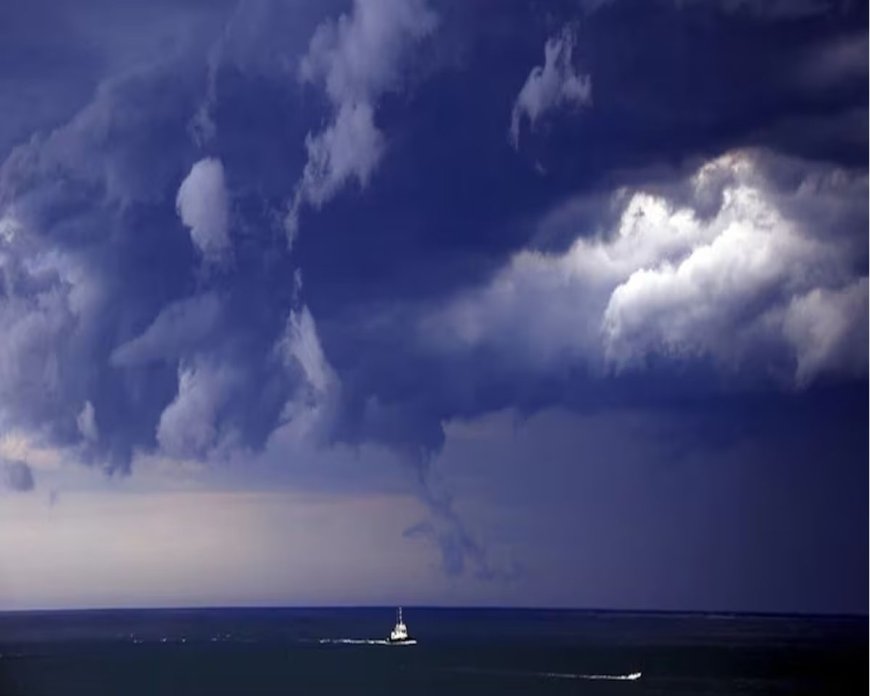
<point>434,302</point>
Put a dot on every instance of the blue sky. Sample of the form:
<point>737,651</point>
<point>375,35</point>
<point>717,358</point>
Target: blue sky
<point>557,304</point>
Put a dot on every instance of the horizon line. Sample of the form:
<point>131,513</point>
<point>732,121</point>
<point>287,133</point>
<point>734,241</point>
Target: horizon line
<point>497,607</point>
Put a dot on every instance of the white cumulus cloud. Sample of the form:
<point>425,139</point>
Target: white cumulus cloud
<point>552,85</point>
<point>203,207</point>
<point>749,264</point>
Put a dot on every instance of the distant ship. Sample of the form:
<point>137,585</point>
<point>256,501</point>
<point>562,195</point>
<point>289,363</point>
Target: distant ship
<point>399,634</point>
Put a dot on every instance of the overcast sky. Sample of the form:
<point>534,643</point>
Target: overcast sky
<point>434,302</point>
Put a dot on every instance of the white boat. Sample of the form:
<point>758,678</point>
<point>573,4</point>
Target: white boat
<point>399,634</point>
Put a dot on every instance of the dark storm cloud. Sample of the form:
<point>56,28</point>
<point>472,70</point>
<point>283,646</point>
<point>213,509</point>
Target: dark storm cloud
<point>53,55</point>
<point>765,10</point>
<point>68,200</point>
<point>356,59</point>
<point>102,291</point>
<point>747,261</point>
<point>774,10</point>
<point>452,202</point>
<point>179,328</point>
<point>664,105</point>
<point>149,299</point>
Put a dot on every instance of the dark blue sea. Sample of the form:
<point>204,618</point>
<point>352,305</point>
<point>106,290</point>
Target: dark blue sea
<point>321,652</point>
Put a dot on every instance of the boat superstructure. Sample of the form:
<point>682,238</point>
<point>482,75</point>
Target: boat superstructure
<point>399,634</point>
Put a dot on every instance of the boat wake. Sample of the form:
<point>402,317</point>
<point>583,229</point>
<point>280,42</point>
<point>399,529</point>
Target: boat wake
<point>361,641</point>
<point>633,676</point>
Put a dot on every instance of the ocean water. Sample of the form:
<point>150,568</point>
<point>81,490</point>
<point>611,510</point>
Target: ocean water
<point>321,652</point>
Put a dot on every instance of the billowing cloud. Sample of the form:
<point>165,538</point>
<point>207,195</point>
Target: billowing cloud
<point>750,265</point>
<point>313,415</point>
<point>179,327</point>
<point>825,328</point>
<point>302,346</point>
<point>47,301</point>
<point>203,206</point>
<point>191,425</point>
<point>310,410</point>
<point>16,475</point>
<point>356,60</point>
<point>554,85</point>
<point>102,299</point>
<point>114,343</point>
<point>350,147</point>
<point>103,302</point>
<point>110,148</point>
